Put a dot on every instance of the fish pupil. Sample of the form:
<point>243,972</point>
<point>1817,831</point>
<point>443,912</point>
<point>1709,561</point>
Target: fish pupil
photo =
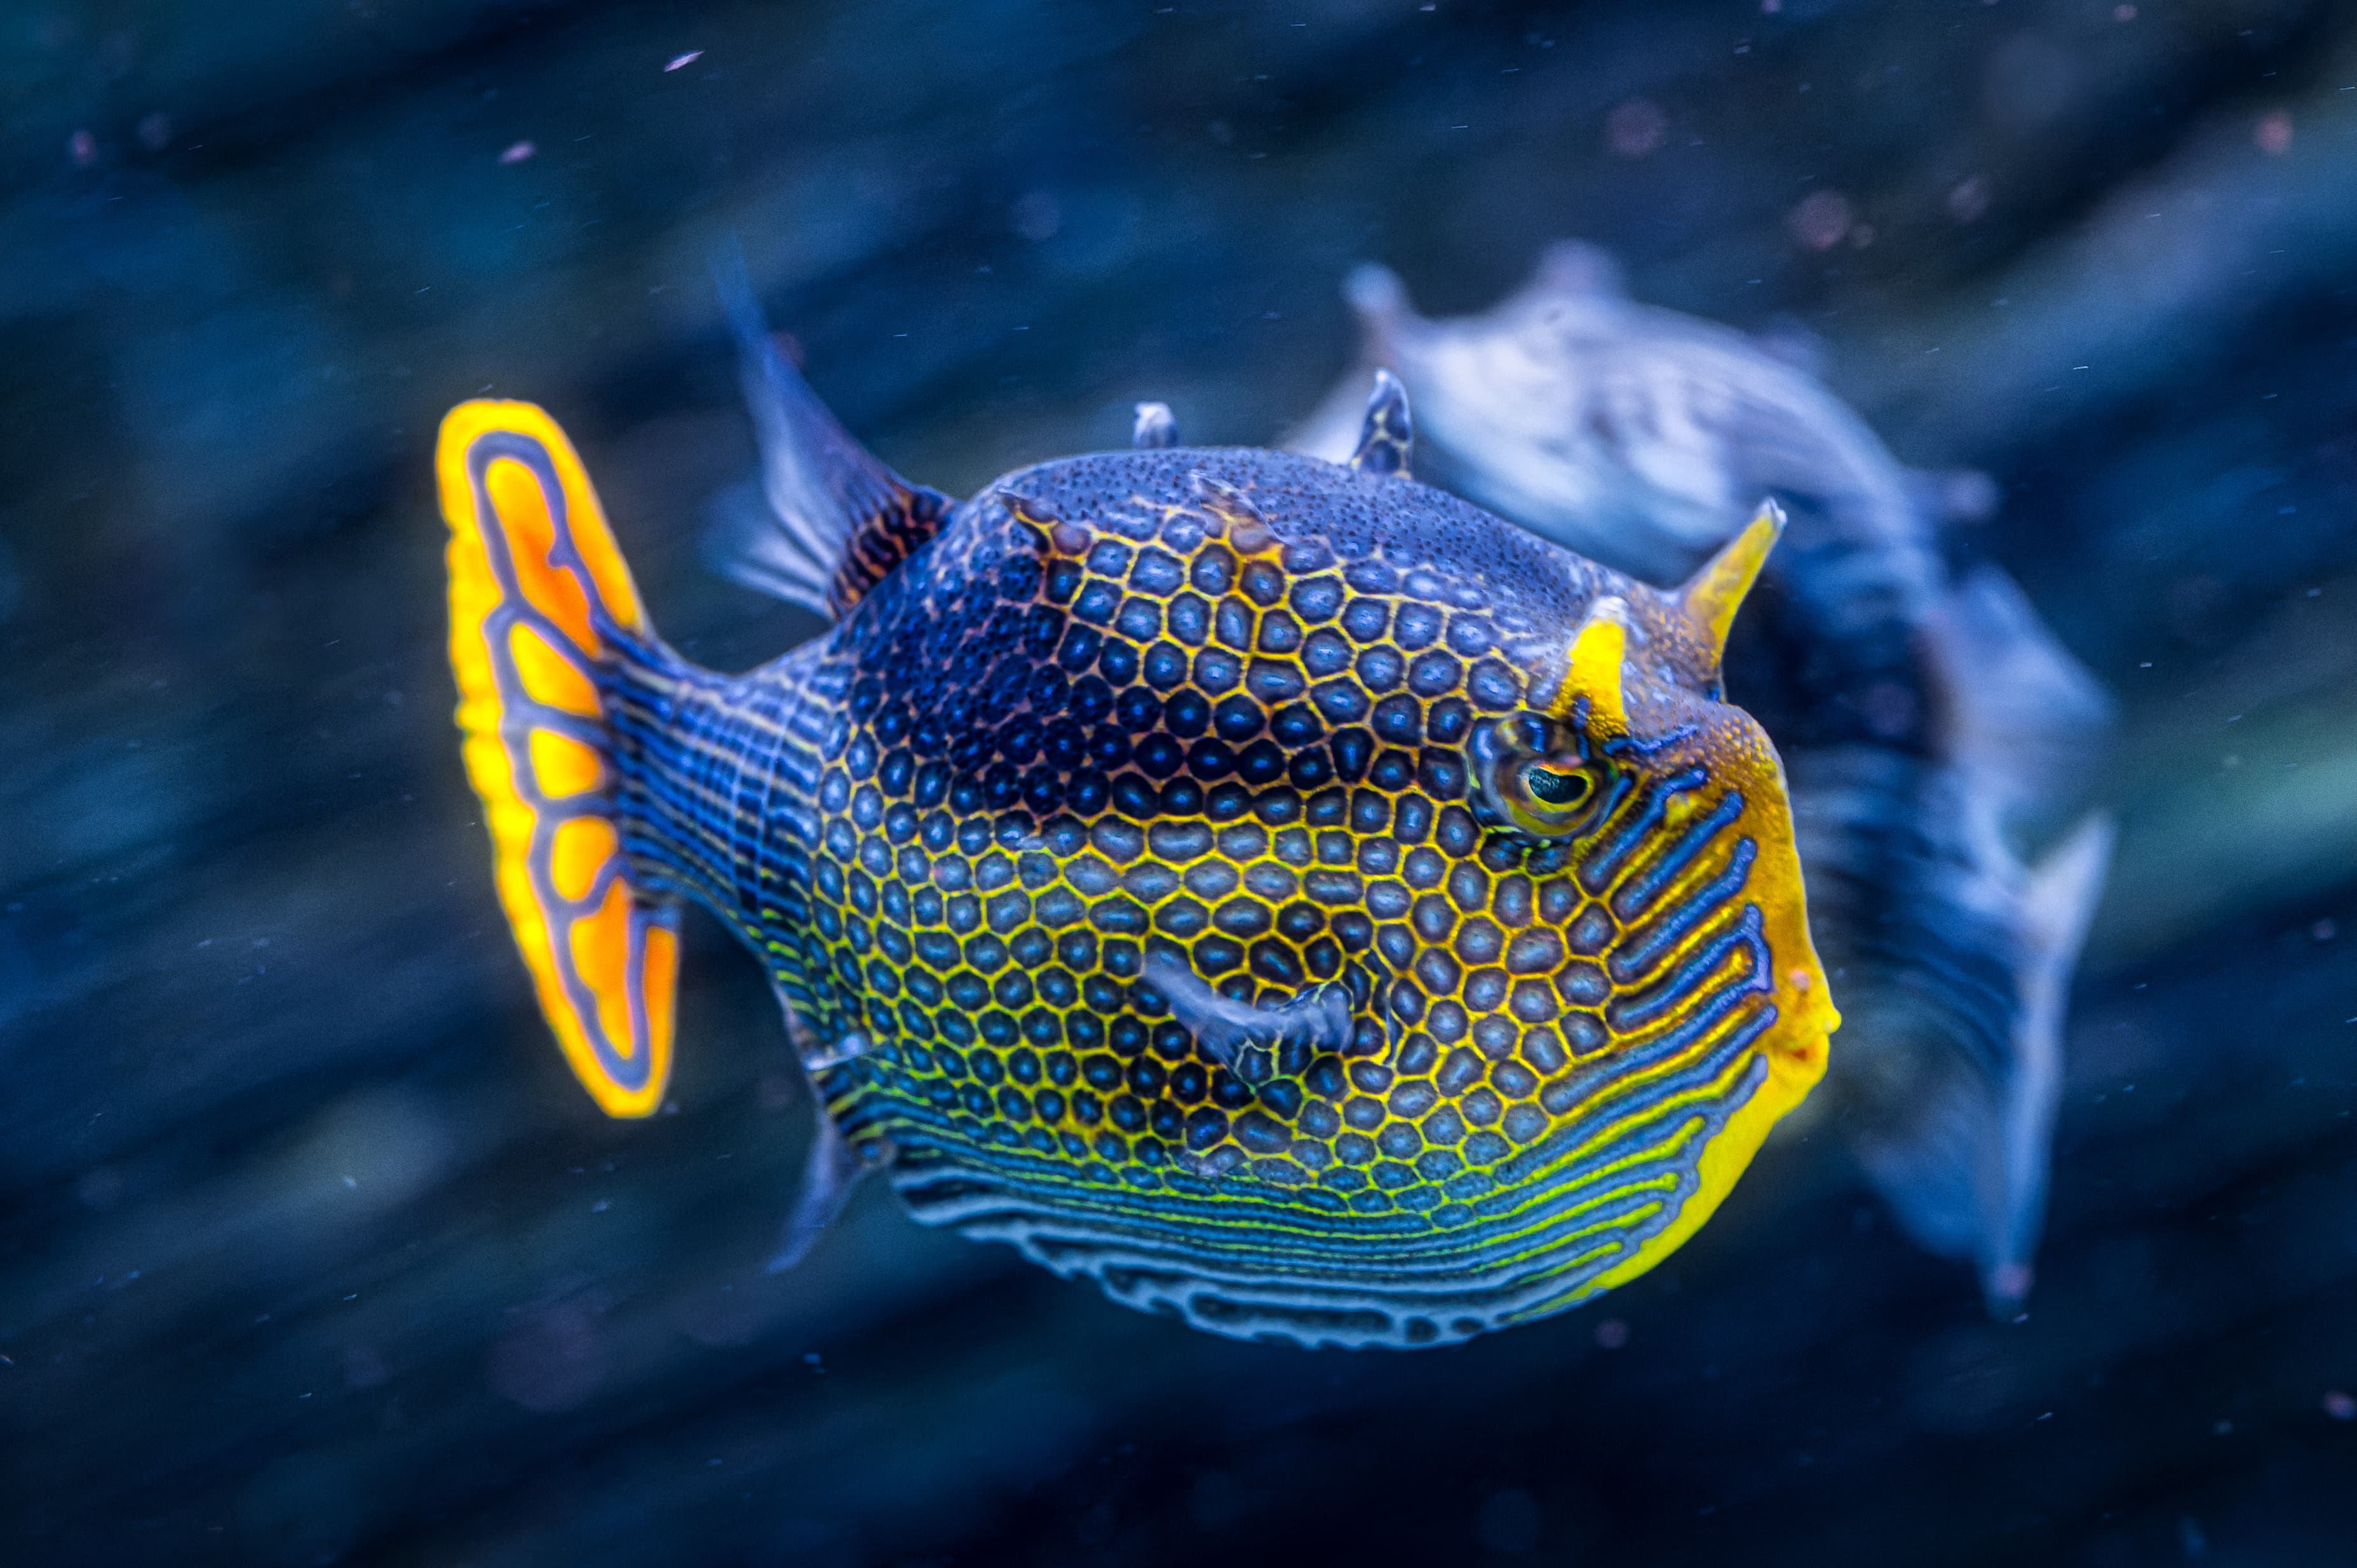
<point>1554,789</point>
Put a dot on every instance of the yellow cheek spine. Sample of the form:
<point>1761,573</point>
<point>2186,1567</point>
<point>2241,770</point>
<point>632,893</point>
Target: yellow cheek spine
<point>1599,649</point>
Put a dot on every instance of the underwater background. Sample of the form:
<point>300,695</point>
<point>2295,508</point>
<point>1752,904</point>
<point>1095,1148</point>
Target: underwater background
<point>312,1251</point>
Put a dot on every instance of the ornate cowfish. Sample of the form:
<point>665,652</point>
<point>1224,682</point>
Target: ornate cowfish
<point>1275,889</point>
<point>1932,728</point>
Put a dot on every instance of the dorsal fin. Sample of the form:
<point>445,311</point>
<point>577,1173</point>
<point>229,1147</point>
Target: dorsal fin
<point>829,519</point>
<point>1388,437</point>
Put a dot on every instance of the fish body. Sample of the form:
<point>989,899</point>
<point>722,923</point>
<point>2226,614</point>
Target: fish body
<point>1931,726</point>
<point>1272,888</point>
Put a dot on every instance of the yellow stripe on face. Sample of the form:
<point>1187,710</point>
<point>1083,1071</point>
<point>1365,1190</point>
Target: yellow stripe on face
<point>530,559</point>
<point>1795,1049</point>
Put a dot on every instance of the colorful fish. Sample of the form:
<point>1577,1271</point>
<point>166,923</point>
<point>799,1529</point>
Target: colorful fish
<point>1932,728</point>
<point>1273,888</point>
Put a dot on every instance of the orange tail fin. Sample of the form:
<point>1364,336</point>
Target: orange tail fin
<point>534,570</point>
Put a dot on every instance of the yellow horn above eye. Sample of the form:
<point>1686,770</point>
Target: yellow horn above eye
<point>1598,650</point>
<point>1712,595</point>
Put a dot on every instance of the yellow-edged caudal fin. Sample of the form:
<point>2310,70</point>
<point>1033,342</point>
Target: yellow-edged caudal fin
<point>533,570</point>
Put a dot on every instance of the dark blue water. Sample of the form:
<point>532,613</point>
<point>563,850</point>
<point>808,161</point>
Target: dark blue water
<point>310,1250</point>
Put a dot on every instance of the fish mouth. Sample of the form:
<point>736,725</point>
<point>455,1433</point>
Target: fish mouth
<point>1246,1039</point>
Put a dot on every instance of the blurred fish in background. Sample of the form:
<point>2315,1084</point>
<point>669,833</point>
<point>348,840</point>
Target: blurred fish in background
<point>1934,731</point>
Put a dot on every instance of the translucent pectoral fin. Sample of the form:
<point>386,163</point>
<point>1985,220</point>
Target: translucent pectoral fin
<point>831,1173</point>
<point>1241,1036</point>
<point>536,583</point>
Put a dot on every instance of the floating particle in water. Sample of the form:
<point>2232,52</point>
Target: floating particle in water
<point>2340,1406</point>
<point>2010,1282</point>
<point>690,58</point>
<point>2272,133</point>
<point>1968,199</point>
<point>1635,128</point>
<point>1611,1334</point>
<point>155,131</point>
<point>82,148</point>
<point>518,152</point>
<point>1822,219</point>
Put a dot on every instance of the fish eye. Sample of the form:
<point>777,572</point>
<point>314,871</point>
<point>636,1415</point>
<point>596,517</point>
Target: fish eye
<point>1547,796</point>
<point>1554,787</point>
